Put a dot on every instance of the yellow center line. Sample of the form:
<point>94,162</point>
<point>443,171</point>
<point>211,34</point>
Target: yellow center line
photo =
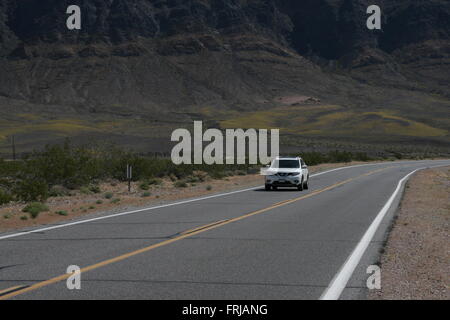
<point>10,289</point>
<point>182,236</point>
<point>202,227</point>
<point>375,171</point>
<point>281,202</point>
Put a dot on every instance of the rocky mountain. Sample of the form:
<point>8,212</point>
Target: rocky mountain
<point>138,68</point>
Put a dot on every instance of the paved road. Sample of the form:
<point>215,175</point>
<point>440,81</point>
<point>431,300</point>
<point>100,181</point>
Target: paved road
<point>245,245</point>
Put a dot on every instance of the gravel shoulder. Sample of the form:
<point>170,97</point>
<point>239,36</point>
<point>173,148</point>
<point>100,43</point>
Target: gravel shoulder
<point>415,262</point>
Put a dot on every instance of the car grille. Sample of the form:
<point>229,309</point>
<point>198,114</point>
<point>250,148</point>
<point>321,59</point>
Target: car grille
<point>284,174</point>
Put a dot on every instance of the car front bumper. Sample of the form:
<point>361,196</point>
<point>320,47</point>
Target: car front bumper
<point>283,181</point>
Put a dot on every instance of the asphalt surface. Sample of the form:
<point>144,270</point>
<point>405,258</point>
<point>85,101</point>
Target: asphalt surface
<point>291,250</point>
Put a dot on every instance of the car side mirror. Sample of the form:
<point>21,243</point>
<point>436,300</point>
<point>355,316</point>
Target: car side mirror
<point>304,166</point>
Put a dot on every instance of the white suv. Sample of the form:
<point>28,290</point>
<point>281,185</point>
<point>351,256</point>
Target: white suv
<point>287,172</point>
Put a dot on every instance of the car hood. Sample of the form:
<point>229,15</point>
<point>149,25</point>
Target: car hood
<point>274,171</point>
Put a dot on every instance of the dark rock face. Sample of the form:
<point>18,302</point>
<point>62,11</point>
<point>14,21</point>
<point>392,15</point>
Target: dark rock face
<point>307,23</point>
<point>414,22</point>
<point>122,20</point>
<point>329,29</point>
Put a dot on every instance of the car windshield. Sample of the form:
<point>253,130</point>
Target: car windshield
<point>286,164</point>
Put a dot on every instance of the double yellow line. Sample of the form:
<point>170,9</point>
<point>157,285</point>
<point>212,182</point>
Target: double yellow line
<point>15,291</point>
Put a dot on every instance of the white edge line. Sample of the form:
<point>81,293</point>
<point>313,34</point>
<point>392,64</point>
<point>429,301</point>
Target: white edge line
<point>339,282</point>
<point>14,235</point>
<point>124,213</point>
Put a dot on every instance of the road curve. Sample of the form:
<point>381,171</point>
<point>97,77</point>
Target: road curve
<point>249,244</point>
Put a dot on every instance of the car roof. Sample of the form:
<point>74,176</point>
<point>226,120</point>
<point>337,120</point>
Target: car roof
<point>287,158</point>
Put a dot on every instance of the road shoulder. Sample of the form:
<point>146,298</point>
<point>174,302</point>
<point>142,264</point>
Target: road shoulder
<point>414,261</point>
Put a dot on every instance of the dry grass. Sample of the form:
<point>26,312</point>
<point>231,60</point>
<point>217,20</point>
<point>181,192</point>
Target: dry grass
<point>330,120</point>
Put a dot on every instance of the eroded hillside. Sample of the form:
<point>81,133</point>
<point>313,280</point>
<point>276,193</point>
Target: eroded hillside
<point>139,68</point>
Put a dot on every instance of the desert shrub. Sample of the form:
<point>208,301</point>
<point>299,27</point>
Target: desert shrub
<point>10,168</point>
<point>154,181</point>
<point>339,156</point>
<point>58,191</point>
<point>5,197</point>
<point>209,188</point>
<point>146,194</point>
<point>85,190</point>
<point>108,195</point>
<point>253,170</point>
<point>200,175</point>
<point>313,158</point>
<point>192,179</point>
<point>180,184</point>
<point>398,155</point>
<point>31,190</point>
<point>361,156</point>
<point>217,175</point>
<point>60,165</point>
<point>90,189</point>
<point>116,200</point>
<point>77,166</point>
<point>94,188</point>
<point>6,183</point>
<point>35,208</point>
<point>144,186</point>
<point>62,213</point>
<point>60,168</point>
